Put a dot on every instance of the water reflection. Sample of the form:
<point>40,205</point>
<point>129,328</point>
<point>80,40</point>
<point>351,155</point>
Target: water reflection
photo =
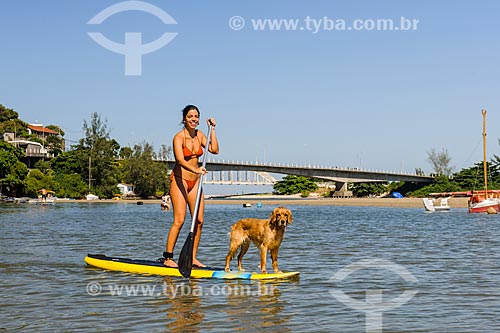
<point>240,305</point>
<point>182,300</point>
<point>255,305</point>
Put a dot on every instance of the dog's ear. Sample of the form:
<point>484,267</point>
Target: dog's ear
<point>289,212</point>
<point>273,217</point>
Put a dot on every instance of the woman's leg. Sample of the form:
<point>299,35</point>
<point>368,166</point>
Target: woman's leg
<point>178,198</point>
<point>199,221</point>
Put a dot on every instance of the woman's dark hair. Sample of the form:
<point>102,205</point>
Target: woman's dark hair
<point>187,109</point>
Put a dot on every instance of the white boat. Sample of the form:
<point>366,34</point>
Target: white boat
<point>431,207</point>
<point>91,196</point>
<point>46,201</point>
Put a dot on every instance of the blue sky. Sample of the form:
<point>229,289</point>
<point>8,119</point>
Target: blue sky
<point>370,99</point>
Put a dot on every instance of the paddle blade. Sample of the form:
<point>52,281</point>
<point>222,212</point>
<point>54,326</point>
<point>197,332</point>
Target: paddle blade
<point>185,261</point>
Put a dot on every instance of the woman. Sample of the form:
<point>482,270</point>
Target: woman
<point>185,179</point>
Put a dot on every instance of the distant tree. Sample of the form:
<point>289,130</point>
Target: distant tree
<point>70,186</point>
<point>12,170</point>
<point>71,162</point>
<point>9,122</point>
<point>102,152</point>
<point>294,185</point>
<point>441,184</point>
<point>56,128</point>
<point>44,166</point>
<point>7,114</point>
<point>37,180</point>
<point>14,182</point>
<point>54,143</point>
<point>495,166</point>
<point>95,131</point>
<point>440,162</point>
<point>140,169</point>
<point>68,169</point>
<point>126,152</point>
<point>165,152</point>
<point>472,178</point>
<point>367,189</point>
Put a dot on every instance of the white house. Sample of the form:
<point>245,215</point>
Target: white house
<point>31,148</point>
<point>126,189</point>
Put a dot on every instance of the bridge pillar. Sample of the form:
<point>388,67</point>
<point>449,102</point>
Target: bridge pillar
<point>341,190</point>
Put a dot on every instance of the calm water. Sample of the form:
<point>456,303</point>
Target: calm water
<point>454,258</point>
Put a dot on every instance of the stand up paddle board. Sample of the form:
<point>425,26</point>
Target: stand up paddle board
<point>157,268</point>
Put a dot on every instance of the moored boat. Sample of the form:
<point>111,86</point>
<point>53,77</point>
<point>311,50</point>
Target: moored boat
<point>481,201</point>
<point>484,201</point>
<point>91,196</point>
<point>431,207</point>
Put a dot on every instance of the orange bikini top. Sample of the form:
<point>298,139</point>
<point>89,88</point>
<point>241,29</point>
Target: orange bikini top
<point>190,154</point>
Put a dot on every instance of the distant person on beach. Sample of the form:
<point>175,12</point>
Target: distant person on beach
<point>165,201</point>
<point>44,193</point>
<point>188,146</point>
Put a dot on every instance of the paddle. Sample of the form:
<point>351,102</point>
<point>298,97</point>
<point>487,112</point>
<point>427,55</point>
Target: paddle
<point>185,262</point>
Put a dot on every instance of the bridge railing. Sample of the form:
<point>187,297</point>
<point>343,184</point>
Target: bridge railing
<point>322,171</point>
<point>310,166</point>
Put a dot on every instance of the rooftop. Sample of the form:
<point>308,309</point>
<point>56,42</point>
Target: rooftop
<point>42,129</point>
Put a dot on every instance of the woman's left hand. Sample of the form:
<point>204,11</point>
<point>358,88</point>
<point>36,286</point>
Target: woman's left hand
<point>211,122</point>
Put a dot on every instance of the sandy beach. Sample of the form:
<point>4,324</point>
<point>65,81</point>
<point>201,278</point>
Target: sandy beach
<point>295,200</point>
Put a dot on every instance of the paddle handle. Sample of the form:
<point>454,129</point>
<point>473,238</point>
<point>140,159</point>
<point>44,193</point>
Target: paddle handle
<point>198,193</point>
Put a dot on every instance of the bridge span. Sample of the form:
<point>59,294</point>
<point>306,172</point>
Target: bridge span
<point>341,176</point>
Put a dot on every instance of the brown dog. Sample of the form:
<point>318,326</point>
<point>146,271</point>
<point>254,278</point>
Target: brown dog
<point>265,234</point>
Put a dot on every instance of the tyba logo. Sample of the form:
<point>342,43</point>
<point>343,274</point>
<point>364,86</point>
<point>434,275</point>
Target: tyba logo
<point>374,305</point>
<point>133,49</point>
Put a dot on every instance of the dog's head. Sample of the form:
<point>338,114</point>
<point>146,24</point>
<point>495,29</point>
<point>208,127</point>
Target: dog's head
<point>281,217</point>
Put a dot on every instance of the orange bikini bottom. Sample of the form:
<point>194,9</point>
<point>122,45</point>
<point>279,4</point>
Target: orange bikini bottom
<point>190,183</point>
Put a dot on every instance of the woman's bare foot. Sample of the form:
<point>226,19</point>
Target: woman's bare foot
<point>169,262</point>
<point>197,263</point>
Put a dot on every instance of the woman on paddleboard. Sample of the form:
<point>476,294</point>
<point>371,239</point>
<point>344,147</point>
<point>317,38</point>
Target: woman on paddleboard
<point>188,146</point>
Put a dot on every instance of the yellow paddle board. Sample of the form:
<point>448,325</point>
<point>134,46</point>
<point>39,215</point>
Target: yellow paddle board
<point>156,268</point>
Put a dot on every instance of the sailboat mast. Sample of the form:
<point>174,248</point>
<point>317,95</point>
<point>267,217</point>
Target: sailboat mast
<point>484,155</point>
<point>90,174</point>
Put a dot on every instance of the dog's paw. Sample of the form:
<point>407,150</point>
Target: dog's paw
<point>227,269</point>
<point>241,269</point>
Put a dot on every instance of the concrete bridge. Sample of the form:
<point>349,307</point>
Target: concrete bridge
<point>341,176</point>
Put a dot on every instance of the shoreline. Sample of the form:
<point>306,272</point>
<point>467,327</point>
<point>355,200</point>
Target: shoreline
<point>294,200</point>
